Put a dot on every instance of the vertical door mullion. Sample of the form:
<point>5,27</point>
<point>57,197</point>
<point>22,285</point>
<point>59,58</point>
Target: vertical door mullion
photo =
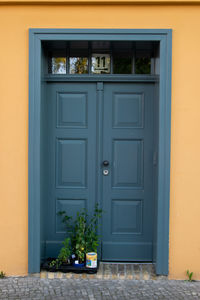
<point>99,149</point>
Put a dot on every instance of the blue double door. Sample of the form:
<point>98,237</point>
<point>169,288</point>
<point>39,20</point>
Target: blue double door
<point>100,144</point>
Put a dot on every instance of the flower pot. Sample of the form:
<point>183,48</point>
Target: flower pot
<point>78,265</point>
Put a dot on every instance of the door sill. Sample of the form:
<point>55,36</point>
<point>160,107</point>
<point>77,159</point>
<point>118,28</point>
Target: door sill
<point>113,270</point>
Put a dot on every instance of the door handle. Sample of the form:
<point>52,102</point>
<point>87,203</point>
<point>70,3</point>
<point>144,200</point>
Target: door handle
<point>105,163</point>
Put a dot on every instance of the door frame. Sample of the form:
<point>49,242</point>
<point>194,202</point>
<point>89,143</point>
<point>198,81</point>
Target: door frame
<point>36,37</point>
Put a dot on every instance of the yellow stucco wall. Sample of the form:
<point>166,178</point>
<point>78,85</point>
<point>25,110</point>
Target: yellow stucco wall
<point>184,246</point>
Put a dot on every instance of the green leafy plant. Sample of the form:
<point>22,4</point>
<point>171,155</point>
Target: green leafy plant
<point>78,236</point>
<point>64,254</point>
<point>83,231</point>
<point>2,275</point>
<point>190,275</point>
<point>66,220</point>
<point>76,230</point>
<point>91,236</point>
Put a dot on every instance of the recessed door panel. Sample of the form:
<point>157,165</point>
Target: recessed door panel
<point>71,163</point>
<point>128,110</point>
<point>72,109</point>
<point>132,223</point>
<point>128,159</point>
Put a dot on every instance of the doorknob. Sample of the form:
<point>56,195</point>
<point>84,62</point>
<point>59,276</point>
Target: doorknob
<point>105,163</point>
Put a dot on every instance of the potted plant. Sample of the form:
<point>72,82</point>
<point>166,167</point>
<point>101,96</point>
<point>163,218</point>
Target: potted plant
<point>85,237</point>
<point>91,233</point>
<point>64,255</point>
<point>78,239</point>
<point>82,238</point>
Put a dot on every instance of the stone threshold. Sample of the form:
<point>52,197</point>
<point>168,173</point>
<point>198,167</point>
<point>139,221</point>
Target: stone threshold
<point>109,270</point>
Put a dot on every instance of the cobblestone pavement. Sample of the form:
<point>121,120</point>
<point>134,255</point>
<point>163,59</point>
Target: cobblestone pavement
<point>110,271</point>
<point>33,288</point>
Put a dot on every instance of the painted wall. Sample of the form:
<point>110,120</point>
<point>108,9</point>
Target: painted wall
<point>185,146</point>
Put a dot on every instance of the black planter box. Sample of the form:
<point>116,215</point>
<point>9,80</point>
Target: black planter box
<point>65,268</point>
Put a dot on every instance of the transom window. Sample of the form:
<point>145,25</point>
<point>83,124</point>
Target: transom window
<point>101,57</point>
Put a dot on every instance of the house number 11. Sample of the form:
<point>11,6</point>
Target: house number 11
<point>101,62</point>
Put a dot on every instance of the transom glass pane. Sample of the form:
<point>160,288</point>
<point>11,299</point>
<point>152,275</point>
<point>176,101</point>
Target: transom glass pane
<point>143,65</point>
<point>100,63</point>
<point>78,65</point>
<point>58,65</point>
<point>102,57</point>
<point>122,65</point>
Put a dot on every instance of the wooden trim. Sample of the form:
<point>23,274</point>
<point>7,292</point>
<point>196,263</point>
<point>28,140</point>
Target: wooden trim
<point>104,78</point>
<point>164,36</point>
<point>34,155</point>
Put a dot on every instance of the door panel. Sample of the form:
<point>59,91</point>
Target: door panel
<point>128,188</point>
<point>71,160</point>
<point>72,110</point>
<point>128,110</point>
<point>72,155</point>
<point>128,168</point>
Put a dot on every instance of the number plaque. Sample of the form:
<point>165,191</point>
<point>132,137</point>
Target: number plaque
<point>101,63</point>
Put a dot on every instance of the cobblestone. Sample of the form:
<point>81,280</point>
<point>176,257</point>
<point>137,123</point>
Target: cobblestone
<point>35,288</point>
<point>127,271</point>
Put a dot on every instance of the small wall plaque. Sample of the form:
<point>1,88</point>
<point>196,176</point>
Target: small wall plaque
<point>101,63</point>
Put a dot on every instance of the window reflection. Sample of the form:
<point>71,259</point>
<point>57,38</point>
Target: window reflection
<point>122,65</point>
<point>58,65</point>
<point>78,65</point>
<point>102,57</point>
<point>143,65</point>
